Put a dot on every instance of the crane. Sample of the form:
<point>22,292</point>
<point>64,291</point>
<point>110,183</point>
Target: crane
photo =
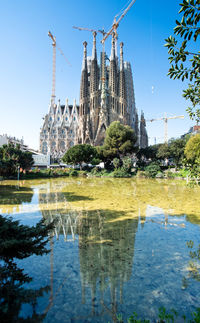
<point>54,45</point>
<point>165,119</point>
<point>92,30</point>
<point>115,24</point>
<point>113,31</point>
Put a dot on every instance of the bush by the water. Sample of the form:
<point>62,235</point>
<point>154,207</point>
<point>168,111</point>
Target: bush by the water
<point>120,172</point>
<point>152,170</point>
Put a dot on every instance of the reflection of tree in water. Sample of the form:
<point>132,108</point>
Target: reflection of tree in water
<point>14,195</point>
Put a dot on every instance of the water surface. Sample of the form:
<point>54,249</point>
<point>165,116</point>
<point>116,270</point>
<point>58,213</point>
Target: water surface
<point>119,246</point>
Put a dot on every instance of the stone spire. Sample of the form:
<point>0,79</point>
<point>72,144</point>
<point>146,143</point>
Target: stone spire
<point>112,55</point>
<point>84,76</point>
<point>84,64</point>
<point>113,70</point>
<point>94,68</point>
<point>121,57</point>
<point>84,97</point>
<point>122,86</point>
<point>94,50</point>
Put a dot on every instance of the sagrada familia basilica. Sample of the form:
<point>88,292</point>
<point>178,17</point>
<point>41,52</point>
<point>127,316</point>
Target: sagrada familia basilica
<point>106,95</point>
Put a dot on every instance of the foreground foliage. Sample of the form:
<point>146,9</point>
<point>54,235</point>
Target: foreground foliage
<point>19,241</point>
<point>185,58</point>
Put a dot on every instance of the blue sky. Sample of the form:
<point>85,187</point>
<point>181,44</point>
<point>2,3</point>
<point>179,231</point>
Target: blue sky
<point>26,59</point>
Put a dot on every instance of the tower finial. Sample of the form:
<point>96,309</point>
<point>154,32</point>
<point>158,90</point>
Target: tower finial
<point>121,57</point>
<point>112,56</point>
<point>84,65</point>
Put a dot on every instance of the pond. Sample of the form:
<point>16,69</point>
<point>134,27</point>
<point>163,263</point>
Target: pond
<point>119,246</point>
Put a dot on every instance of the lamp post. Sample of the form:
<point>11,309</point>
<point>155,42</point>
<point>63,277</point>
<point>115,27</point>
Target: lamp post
<point>18,172</point>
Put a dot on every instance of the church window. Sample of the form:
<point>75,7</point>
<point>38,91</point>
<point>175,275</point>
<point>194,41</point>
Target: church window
<point>58,118</point>
<point>50,118</point>
<point>74,118</point>
<point>71,143</point>
<point>66,118</point>
<point>71,131</point>
<point>44,131</point>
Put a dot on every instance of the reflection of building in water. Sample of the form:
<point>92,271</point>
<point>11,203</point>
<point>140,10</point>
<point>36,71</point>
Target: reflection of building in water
<point>106,247</point>
<point>57,209</point>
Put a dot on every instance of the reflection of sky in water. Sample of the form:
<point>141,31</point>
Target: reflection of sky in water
<point>118,262</point>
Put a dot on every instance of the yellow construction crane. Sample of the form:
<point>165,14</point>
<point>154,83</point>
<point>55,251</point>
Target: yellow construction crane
<point>91,30</point>
<point>115,24</point>
<point>54,44</point>
<point>165,119</point>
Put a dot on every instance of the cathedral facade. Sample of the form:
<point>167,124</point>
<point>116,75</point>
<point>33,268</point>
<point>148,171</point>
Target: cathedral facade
<point>106,95</point>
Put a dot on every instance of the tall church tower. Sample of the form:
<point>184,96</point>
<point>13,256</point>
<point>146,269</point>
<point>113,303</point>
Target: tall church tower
<point>122,90</point>
<point>84,100</point>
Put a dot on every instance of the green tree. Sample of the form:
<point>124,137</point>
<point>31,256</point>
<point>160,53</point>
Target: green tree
<point>176,149</point>
<point>79,154</point>
<point>163,151</point>
<point>185,57</point>
<point>119,141</point>
<point>19,241</point>
<point>12,157</point>
<point>192,149</point>
<point>149,152</point>
<point>192,153</point>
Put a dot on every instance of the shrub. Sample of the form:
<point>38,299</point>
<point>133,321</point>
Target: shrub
<point>170,174</point>
<point>159,175</point>
<point>127,164</point>
<point>120,172</point>
<point>116,162</point>
<point>152,169</point>
<point>95,161</point>
<point>73,172</point>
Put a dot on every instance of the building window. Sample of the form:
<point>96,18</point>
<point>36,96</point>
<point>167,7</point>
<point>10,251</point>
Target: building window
<point>50,118</point>
<point>74,118</point>
<point>58,118</point>
<point>66,118</point>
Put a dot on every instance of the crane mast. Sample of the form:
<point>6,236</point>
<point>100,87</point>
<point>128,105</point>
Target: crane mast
<point>53,68</point>
<point>54,45</point>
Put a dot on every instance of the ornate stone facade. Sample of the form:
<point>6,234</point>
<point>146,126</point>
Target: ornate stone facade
<point>106,95</point>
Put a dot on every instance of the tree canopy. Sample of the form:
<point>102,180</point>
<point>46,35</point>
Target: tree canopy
<point>184,57</point>
<point>119,141</point>
<point>12,157</point>
<point>192,149</point>
<point>20,241</point>
<point>78,154</point>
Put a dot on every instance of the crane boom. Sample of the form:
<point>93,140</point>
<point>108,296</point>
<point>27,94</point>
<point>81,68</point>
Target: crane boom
<point>165,119</point>
<point>102,31</point>
<point>116,23</point>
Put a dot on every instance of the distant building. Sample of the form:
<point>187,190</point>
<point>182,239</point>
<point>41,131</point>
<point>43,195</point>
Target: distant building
<point>5,140</point>
<point>106,95</point>
<point>40,160</point>
<point>194,130</point>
